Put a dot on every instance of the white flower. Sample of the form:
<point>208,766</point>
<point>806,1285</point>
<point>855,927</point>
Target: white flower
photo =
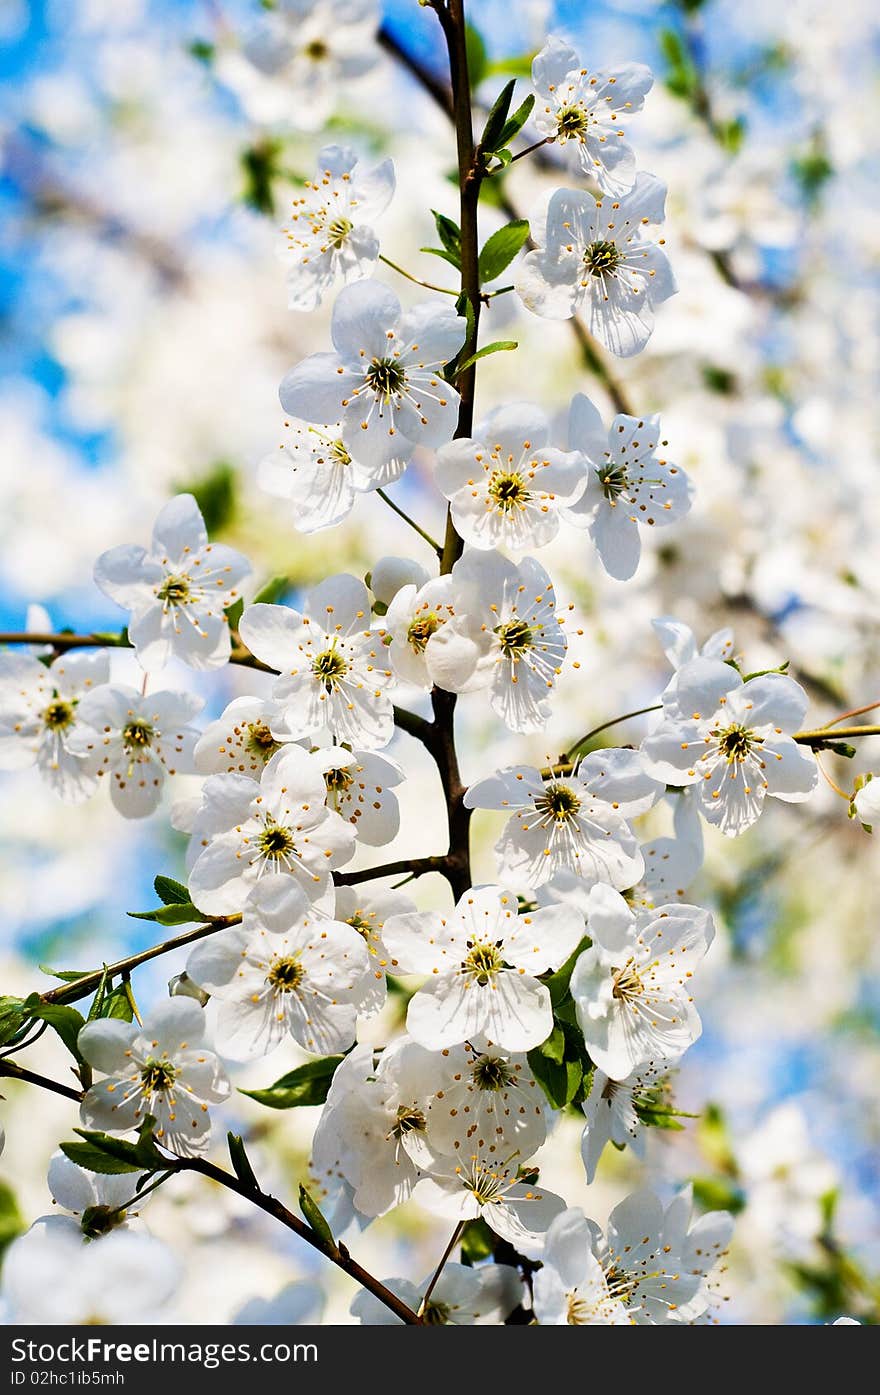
<point>571,1288</point>
<point>461,1297</point>
<point>413,618</point>
<point>247,829</point>
<point>242,740</point>
<point>283,971</point>
<point>160,1068</point>
<point>359,785</point>
<point>583,108</point>
<point>595,257</point>
<point>51,1277</point>
<point>652,1265</point>
<point>332,665</point>
<point>136,740</point>
<point>486,1100</point>
<point>98,1200</point>
<point>506,485</point>
<point>731,739</point>
<point>630,485</point>
<point>632,987</point>
<point>384,382</point>
<point>297,1303</point>
<point>366,909</point>
<point>679,643</point>
<point>505,636</point>
<point>328,233</point>
<point>295,60</point>
<point>480,1187</point>
<point>321,477</point>
<point>611,1110</point>
<point>372,1127</point>
<point>177,589</point>
<point>483,959</point>
<point>390,573</point>
<point>671,864</point>
<point>575,822</point>
<point>39,713</point>
<point>866,802</point>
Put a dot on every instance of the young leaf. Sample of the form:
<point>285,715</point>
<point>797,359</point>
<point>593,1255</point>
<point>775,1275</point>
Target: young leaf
<point>307,1084</point>
<point>273,590</point>
<point>12,1223</point>
<point>560,1083</point>
<point>177,914</point>
<point>234,613</point>
<point>13,1018</point>
<point>477,57</point>
<point>66,1021</point>
<point>449,257</point>
<point>449,234</point>
<point>95,1159</point>
<point>477,1242</point>
<point>67,975</point>
<point>170,892</point>
<point>240,1162</point>
<point>501,248</point>
<point>497,119</point>
<point>315,1217</point>
<point>117,1004</point>
<point>501,344</point>
<point>98,1001</point>
<point>558,983</point>
<point>514,125</point>
<point>554,1047</point>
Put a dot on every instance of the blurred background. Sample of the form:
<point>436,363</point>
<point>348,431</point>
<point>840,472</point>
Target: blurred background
<point>146,168</point>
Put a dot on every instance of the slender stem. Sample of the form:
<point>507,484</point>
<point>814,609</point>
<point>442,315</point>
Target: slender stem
<point>15,1072</point>
<point>432,542</point>
<point>854,712</point>
<point>440,1267</point>
<point>529,150</point>
<point>82,987</point>
<point>615,721</point>
<point>416,280</point>
<point>815,738</point>
<point>337,1254</point>
<point>62,642</point>
<point>145,1191</point>
<point>412,866</point>
<point>833,783</point>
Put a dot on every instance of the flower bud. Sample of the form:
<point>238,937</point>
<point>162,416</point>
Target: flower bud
<point>182,986</point>
<point>390,573</point>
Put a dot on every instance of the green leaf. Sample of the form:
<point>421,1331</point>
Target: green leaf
<point>558,983</point>
<point>560,1083</point>
<point>170,892</point>
<point>12,1018</point>
<point>514,125</point>
<point>234,613</point>
<point>68,975</point>
<point>307,1084</point>
<point>315,1217</point>
<point>202,51</point>
<point>554,1047</point>
<point>714,1194</point>
<point>66,1021</point>
<point>273,590</point>
<point>477,57</point>
<point>142,1156</point>
<point>95,1159</point>
<point>518,64</point>
<point>497,118</point>
<point>731,134</point>
<point>12,1223</point>
<point>449,234</point>
<point>260,166</point>
<point>215,493</point>
<point>241,1163</point>
<point>501,344</point>
<point>117,1004</point>
<point>477,1242</point>
<point>446,256</point>
<point>176,914</point>
<point>500,249</point>
<point>98,1000</point>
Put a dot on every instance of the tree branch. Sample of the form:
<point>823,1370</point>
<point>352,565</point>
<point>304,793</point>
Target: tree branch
<point>413,866</point>
<point>15,1072</point>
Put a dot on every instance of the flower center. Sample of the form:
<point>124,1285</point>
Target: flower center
<point>560,801</point>
<point>330,667</point>
<point>157,1076</point>
<point>490,1073</point>
<point>626,985</point>
<point>175,590</point>
<point>385,377</point>
<point>407,1120</point>
<point>260,741</point>
<point>361,924</point>
<point>515,637</point>
<point>339,453</point>
<point>483,962</point>
<point>735,742</point>
<point>613,481</point>
<point>579,1311</point>
<point>508,491</point>
<point>571,123</point>
<point>602,258</point>
<point>339,780</point>
<point>420,631</point>
<point>275,841</point>
<point>286,975</point>
<point>436,1314</point>
<point>137,735</point>
<point>96,1221</point>
<point>59,715</point>
<point>317,50</point>
<point>338,231</point>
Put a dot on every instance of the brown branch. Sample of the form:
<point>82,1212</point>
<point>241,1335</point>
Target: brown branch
<point>412,866</point>
<point>29,1077</point>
